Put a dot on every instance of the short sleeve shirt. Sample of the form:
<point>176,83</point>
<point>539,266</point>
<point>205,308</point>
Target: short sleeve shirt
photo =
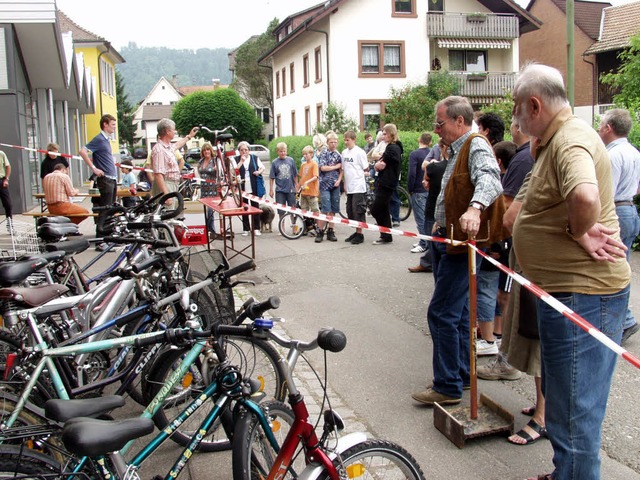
<point>100,148</point>
<point>309,170</point>
<point>328,179</point>
<point>284,172</point>
<point>163,161</point>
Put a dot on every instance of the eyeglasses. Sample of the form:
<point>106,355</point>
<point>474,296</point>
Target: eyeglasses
<point>440,124</point>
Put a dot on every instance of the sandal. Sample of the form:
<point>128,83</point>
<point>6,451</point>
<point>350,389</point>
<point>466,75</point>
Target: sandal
<point>533,425</point>
<point>528,411</point>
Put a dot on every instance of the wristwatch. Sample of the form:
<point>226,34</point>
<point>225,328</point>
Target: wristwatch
<point>477,206</point>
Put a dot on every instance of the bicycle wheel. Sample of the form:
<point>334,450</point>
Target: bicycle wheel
<point>257,360</point>
<point>16,462</point>
<point>291,226</point>
<point>252,455</point>
<point>377,459</point>
<point>405,203</point>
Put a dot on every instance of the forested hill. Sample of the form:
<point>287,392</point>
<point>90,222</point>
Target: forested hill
<point>145,65</point>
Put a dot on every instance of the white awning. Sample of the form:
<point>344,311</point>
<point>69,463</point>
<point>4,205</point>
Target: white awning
<point>473,44</point>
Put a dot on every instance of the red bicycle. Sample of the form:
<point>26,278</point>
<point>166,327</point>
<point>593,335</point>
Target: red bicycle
<point>228,174</point>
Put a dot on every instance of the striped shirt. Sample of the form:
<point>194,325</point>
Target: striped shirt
<point>163,160</point>
<point>57,188</point>
<point>483,170</point>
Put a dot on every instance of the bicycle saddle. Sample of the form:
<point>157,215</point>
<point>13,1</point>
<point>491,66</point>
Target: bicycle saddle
<point>75,245</point>
<point>33,296</point>
<point>52,232</point>
<point>63,410</point>
<point>59,219</point>
<point>49,256</point>
<point>15,272</point>
<point>225,137</point>
<point>92,438</point>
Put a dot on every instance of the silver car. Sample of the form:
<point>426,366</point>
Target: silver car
<point>261,152</point>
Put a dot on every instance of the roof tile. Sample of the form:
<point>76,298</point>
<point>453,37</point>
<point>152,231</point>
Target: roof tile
<point>619,24</point>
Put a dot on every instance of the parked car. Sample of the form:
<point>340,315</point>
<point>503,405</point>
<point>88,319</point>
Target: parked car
<point>140,153</point>
<point>261,152</point>
<point>193,155</point>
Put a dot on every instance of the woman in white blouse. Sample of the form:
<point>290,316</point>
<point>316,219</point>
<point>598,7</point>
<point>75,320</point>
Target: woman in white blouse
<point>250,168</point>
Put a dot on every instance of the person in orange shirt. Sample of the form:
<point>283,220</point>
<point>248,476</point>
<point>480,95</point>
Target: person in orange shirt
<point>57,190</point>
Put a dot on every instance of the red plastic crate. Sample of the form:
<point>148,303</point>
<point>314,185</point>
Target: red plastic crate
<point>194,235</point>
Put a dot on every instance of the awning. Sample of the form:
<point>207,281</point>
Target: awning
<point>473,44</point>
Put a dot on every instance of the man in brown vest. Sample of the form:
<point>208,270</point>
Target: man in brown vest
<point>470,185</point>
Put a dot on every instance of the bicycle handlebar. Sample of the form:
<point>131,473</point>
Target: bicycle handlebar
<point>217,132</point>
<point>253,310</point>
<point>138,241</point>
<point>174,336</point>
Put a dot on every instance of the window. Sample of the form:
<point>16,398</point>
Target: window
<point>278,126</point>
<point>284,82</point>
<point>379,59</point>
<point>468,60</point>
<point>371,112</point>
<point>307,120</point>
<point>436,6</point>
<point>318,113</point>
<point>318,59</point>
<point>107,78</point>
<point>404,8</point>
<point>292,83</point>
<point>277,84</point>
<point>293,122</point>
<point>305,70</point>
<point>266,118</point>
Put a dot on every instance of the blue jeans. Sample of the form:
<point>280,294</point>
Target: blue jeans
<point>629,228</point>
<point>210,221</point>
<point>487,285</point>
<point>394,206</point>
<point>418,204</point>
<point>448,317</point>
<point>285,198</point>
<point>576,377</point>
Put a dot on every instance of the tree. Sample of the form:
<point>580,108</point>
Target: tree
<point>503,107</point>
<point>217,109</point>
<point>335,119</point>
<point>253,82</point>
<point>412,107</point>
<point>126,127</point>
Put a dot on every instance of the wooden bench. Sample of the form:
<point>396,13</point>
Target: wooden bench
<point>37,215</point>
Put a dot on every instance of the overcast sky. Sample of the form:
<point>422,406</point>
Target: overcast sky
<point>192,24</point>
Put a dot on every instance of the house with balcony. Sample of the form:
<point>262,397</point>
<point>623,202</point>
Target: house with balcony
<point>618,25</point>
<point>352,52</point>
<point>49,88</point>
<point>548,45</point>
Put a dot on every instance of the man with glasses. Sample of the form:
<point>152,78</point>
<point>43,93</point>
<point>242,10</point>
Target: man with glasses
<point>461,202</point>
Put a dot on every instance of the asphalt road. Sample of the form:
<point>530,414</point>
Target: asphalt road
<point>367,292</point>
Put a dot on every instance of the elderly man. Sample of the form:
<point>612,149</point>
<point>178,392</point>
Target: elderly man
<point>166,170</point>
<point>470,185</point>
<point>625,168</point>
<point>566,240</point>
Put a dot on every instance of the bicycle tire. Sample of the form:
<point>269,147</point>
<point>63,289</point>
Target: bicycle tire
<point>270,374</point>
<point>252,455</point>
<point>376,459</point>
<point>405,203</point>
<point>16,462</point>
<point>291,226</point>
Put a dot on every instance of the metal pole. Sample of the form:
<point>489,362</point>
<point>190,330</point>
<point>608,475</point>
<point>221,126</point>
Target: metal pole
<point>570,53</point>
<point>473,315</point>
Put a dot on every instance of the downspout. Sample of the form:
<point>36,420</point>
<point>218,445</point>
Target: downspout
<point>100,82</point>
<point>52,120</point>
<point>593,88</point>
<point>326,35</point>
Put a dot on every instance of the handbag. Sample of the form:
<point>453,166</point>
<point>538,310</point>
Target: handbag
<point>261,191</point>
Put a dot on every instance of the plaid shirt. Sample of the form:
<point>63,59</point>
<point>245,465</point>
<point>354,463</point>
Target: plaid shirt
<point>57,188</point>
<point>483,170</point>
<point>163,160</point>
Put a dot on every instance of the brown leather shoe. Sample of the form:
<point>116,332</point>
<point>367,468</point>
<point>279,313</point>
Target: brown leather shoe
<point>430,396</point>
<point>420,268</point>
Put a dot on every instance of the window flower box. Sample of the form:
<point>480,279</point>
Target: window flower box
<point>477,77</point>
<point>477,17</point>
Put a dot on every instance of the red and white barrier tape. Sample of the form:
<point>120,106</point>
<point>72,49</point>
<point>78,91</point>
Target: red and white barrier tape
<point>38,150</point>
<point>533,288</point>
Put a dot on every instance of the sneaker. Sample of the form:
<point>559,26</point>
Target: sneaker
<point>331,236</point>
<point>484,348</point>
<point>418,249</point>
<point>245,233</point>
<point>499,342</point>
<point>395,224</point>
<point>350,237</point>
<point>498,369</point>
<point>358,239</point>
<point>381,241</point>
<point>430,396</point>
<point>101,247</point>
<point>257,232</point>
<point>627,332</point>
<point>415,244</point>
<point>319,237</point>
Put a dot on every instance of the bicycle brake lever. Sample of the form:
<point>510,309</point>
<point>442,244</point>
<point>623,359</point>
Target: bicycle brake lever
<point>239,282</point>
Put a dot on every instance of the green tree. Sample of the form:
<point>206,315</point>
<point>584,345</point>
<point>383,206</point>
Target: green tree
<point>503,107</point>
<point>126,127</point>
<point>627,78</point>
<point>253,82</point>
<point>336,119</point>
<point>217,109</point>
<point>412,107</point>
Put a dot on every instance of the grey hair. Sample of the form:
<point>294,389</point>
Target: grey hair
<point>457,106</point>
<point>620,121</point>
<point>243,144</point>
<point>543,81</point>
<point>165,125</point>
<point>319,140</point>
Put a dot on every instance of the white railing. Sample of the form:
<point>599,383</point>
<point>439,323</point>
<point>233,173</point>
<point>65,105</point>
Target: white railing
<point>471,25</point>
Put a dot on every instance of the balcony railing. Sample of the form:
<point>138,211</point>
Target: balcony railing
<point>472,25</point>
<point>484,85</point>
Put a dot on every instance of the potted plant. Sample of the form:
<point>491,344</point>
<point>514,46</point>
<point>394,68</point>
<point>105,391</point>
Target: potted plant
<point>476,17</point>
<point>477,77</point>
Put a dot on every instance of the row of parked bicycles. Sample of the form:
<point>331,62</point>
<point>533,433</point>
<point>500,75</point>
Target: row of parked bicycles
<point>158,327</point>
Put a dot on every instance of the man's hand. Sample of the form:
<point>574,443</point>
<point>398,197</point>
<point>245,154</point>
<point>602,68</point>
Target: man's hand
<point>470,221</point>
<point>98,172</point>
<point>599,244</point>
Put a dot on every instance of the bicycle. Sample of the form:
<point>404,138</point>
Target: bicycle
<point>293,225</point>
<point>257,454</point>
<point>229,179</point>
<point>403,194</point>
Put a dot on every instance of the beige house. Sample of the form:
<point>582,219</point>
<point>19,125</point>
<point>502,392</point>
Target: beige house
<point>352,52</point>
